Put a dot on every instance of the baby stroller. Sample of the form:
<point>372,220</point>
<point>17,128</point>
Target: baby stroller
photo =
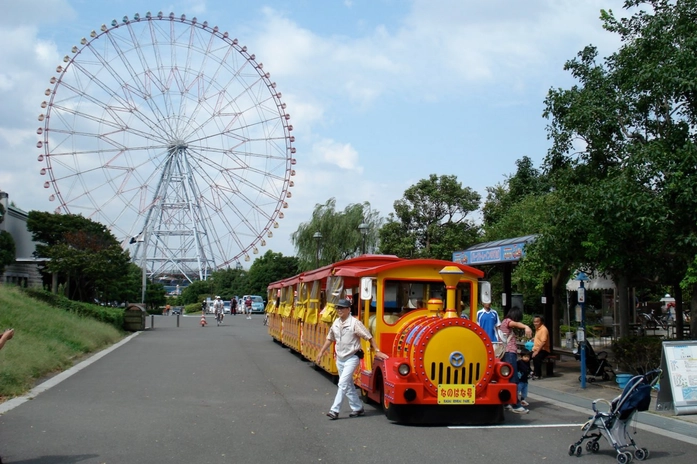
<point>612,424</point>
<point>597,365</point>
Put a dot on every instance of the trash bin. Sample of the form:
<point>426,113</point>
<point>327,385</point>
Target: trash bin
<point>134,318</point>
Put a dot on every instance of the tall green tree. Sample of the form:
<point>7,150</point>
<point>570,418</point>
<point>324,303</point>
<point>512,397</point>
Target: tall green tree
<point>332,236</point>
<point>84,253</point>
<point>269,268</point>
<point>623,155</point>
<point>431,220</point>
<point>502,199</point>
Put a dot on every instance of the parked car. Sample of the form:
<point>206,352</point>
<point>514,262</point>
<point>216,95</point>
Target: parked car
<point>258,304</point>
<point>226,307</point>
<point>176,310</point>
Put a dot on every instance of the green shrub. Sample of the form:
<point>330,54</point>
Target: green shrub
<point>106,314</point>
<point>637,355</point>
<point>192,308</point>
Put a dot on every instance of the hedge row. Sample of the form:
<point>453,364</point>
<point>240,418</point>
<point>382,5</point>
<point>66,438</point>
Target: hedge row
<point>108,315</point>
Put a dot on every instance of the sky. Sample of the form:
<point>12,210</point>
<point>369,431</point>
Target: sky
<point>381,93</point>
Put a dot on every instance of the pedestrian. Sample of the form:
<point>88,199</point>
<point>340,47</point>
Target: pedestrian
<point>203,321</point>
<point>346,333</point>
<point>219,309</point>
<point>488,320</point>
<point>523,376</point>
<point>248,307</point>
<point>167,309</point>
<point>508,338</point>
<point>233,306</point>
<point>6,336</point>
<point>540,348</point>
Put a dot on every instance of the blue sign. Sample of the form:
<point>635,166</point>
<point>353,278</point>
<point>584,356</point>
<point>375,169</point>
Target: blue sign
<point>499,254</point>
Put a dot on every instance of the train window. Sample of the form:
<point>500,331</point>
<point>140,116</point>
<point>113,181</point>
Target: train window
<point>403,296</point>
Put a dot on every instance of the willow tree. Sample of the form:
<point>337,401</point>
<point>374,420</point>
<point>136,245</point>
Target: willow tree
<point>332,235</point>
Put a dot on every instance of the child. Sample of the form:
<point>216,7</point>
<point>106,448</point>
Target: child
<point>204,322</point>
<point>523,375</point>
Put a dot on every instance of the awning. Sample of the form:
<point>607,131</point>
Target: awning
<point>595,282</point>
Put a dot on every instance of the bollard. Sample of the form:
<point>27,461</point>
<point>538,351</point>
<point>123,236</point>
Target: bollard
<point>152,321</point>
<point>177,320</point>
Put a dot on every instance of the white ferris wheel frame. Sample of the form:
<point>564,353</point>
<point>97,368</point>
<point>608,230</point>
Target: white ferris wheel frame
<point>169,132</point>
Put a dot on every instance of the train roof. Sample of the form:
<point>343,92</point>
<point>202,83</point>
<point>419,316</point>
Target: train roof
<point>367,265</point>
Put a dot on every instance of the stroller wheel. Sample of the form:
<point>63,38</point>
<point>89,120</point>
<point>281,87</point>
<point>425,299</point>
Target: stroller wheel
<point>622,458</point>
<point>572,450</point>
<point>591,379</point>
<point>606,376</point>
<point>579,450</point>
<point>641,454</point>
<point>596,447</point>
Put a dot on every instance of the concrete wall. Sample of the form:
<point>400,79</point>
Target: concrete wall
<point>24,271</point>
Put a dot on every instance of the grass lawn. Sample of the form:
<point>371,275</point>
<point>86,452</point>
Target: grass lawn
<point>47,340</point>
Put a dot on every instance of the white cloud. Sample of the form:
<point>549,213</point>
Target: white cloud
<point>342,155</point>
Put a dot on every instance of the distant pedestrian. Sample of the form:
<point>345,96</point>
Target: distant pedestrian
<point>523,376</point>
<point>233,306</point>
<point>248,307</point>
<point>346,333</point>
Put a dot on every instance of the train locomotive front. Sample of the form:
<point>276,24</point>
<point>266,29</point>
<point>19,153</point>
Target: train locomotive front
<point>443,370</point>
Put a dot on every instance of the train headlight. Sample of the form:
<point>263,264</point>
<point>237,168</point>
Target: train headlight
<point>404,369</point>
<point>505,370</point>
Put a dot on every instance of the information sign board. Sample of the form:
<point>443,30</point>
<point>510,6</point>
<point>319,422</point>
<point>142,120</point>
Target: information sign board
<point>678,386</point>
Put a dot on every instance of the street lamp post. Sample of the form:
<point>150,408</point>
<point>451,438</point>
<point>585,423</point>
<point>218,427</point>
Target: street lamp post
<point>363,228</point>
<point>318,238</point>
<point>581,334</point>
<point>140,238</point>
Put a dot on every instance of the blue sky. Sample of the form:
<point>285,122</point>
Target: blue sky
<point>382,93</point>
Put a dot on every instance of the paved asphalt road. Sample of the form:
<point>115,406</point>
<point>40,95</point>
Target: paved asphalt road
<point>230,394</point>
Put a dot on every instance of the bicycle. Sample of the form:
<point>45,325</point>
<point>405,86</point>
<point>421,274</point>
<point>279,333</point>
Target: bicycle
<point>218,317</point>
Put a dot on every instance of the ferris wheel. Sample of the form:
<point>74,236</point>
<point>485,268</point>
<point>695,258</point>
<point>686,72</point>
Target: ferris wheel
<point>172,134</point>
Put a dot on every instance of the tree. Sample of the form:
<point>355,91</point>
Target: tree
<point>7,245</point>
<point>430,221</point>
<point>270,268</point>
<point>623,157</point>
<point>85,253</point>
<point>340,236</point>
<point>503,199</point>
<point>195,292</point>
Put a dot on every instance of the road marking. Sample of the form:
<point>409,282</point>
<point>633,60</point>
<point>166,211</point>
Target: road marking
<point>521,426</point>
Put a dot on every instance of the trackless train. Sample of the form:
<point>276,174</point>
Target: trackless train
<point>442,367</point>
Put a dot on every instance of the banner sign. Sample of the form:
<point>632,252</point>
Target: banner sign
<point>499,254</point>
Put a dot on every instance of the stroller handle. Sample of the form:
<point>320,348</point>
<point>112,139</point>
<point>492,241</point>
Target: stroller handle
<point>601,400</point>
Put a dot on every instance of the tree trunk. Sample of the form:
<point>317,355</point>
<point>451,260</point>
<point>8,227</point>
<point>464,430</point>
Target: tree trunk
<point>693,313</point>
<point>677,293</point>
<point>623,304</point>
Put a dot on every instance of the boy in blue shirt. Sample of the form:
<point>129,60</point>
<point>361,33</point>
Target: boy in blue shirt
<point>489,321</point>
